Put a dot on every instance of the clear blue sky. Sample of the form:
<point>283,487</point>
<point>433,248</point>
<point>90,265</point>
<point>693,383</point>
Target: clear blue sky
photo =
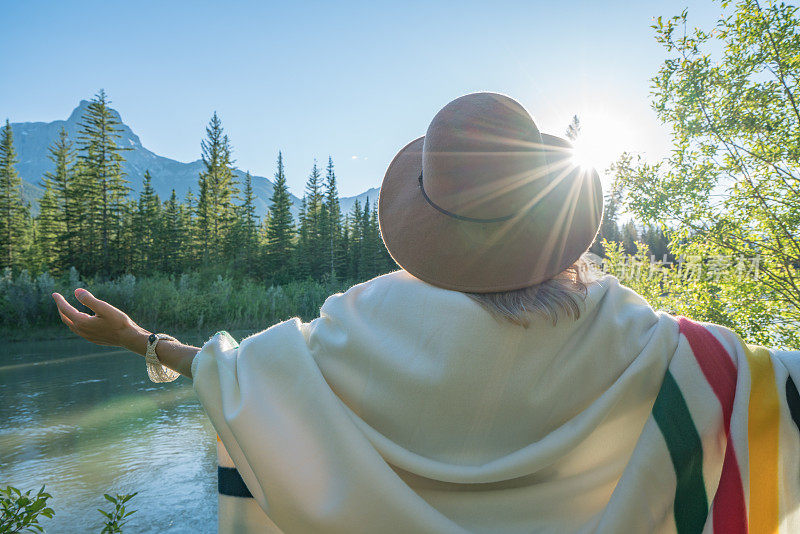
<point>354,80</point>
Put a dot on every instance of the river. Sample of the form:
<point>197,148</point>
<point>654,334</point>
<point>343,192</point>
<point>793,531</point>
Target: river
<point>85,420</point>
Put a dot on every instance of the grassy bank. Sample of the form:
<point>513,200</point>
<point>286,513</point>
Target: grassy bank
<point>191,302</point>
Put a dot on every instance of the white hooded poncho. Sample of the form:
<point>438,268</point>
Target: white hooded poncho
<point>408,408</point>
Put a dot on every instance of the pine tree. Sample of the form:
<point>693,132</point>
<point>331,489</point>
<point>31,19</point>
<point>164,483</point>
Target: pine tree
<point>107,188</point>
<point>262,255</point>
<point>370,241</point>
<point>171,235</point>
<point>190,253</point>
<point>574,128</point>
<point>246,230</point>
<point>300,258</point>
<point>280,226</point>
<point>128,249</point>
<point>68,199</point>
<point>332,227</point>
<point>147,222</point>
<point>376,259</point>
<point>657,242</point>
<point>216,212</point>
<point>315,216</point>
<point>83,231</point>
<point>629,237</point>
<point>344,237</point>
<point>14,213</point>
<point>385,259</point>
<point>49,229</point>
<point>311,242</point>
<point>355,244</point>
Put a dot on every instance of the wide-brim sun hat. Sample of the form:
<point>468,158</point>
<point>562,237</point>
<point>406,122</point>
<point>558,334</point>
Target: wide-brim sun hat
<point>484,202</point>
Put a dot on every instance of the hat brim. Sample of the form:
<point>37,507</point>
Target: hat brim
<point>535,245</point>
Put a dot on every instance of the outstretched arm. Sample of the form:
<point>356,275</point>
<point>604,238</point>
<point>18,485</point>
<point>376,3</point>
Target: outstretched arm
<point>111,326</point>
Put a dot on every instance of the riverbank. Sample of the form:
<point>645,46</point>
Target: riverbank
<point>54,343</point>
<point>191,303</point>
<point>62,333</point>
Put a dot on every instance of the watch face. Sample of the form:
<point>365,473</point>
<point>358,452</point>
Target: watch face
<point>152,338</point>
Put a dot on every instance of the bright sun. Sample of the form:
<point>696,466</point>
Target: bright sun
<point>584,155</point>
<point>602,139</point>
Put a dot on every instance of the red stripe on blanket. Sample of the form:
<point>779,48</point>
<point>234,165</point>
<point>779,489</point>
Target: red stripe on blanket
<point>730,515</point>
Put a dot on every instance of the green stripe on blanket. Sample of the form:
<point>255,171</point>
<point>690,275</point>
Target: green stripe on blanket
<point>675,422</point>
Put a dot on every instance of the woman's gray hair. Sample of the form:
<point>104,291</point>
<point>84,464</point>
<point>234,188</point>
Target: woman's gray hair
<point>561,295</point>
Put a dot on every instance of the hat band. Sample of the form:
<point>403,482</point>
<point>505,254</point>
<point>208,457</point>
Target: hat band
<point>456,215</point>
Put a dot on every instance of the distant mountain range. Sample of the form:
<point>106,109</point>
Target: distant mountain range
<point>33,139</point>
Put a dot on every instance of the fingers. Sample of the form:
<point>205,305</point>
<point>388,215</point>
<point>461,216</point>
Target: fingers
<point>64,318</point>
<point>93,303</point>
<point>67,322</point>
<point>68,311</point>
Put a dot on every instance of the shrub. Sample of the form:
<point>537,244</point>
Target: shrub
<point>116,518</point>
<point>20,512</point>
<point>167,302</point>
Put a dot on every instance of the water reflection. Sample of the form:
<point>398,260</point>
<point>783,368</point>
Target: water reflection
<point>85,420</point>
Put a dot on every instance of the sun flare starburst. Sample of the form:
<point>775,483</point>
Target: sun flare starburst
<point>584,155</point>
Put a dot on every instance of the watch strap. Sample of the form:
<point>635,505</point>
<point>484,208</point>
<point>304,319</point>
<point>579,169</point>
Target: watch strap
<point>157,371</point>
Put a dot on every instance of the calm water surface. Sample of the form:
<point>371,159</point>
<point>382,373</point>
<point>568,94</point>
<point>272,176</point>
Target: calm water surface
<point>85,420</point>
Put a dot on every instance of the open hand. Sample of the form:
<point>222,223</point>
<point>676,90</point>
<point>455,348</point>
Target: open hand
<point>108,325</point>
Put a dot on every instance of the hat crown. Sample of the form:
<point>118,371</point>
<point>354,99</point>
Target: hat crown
<point>485,202</point>
<point>483,157</point>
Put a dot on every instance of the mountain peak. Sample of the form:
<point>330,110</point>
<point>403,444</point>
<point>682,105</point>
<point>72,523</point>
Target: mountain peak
<point>34,139</point>
<point>128,138</point>
<point>78,112</point>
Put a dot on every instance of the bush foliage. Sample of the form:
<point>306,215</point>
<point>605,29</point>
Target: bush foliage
<point>167,302</point>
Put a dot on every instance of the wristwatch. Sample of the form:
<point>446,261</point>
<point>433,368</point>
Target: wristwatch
<point>155,369</point>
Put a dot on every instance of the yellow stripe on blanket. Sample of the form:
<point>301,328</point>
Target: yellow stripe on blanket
<point>763,425</point>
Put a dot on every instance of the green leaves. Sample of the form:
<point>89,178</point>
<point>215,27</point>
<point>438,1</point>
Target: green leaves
<point>116,518</point>
<point>731,185</point>
<point>20,512</point>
